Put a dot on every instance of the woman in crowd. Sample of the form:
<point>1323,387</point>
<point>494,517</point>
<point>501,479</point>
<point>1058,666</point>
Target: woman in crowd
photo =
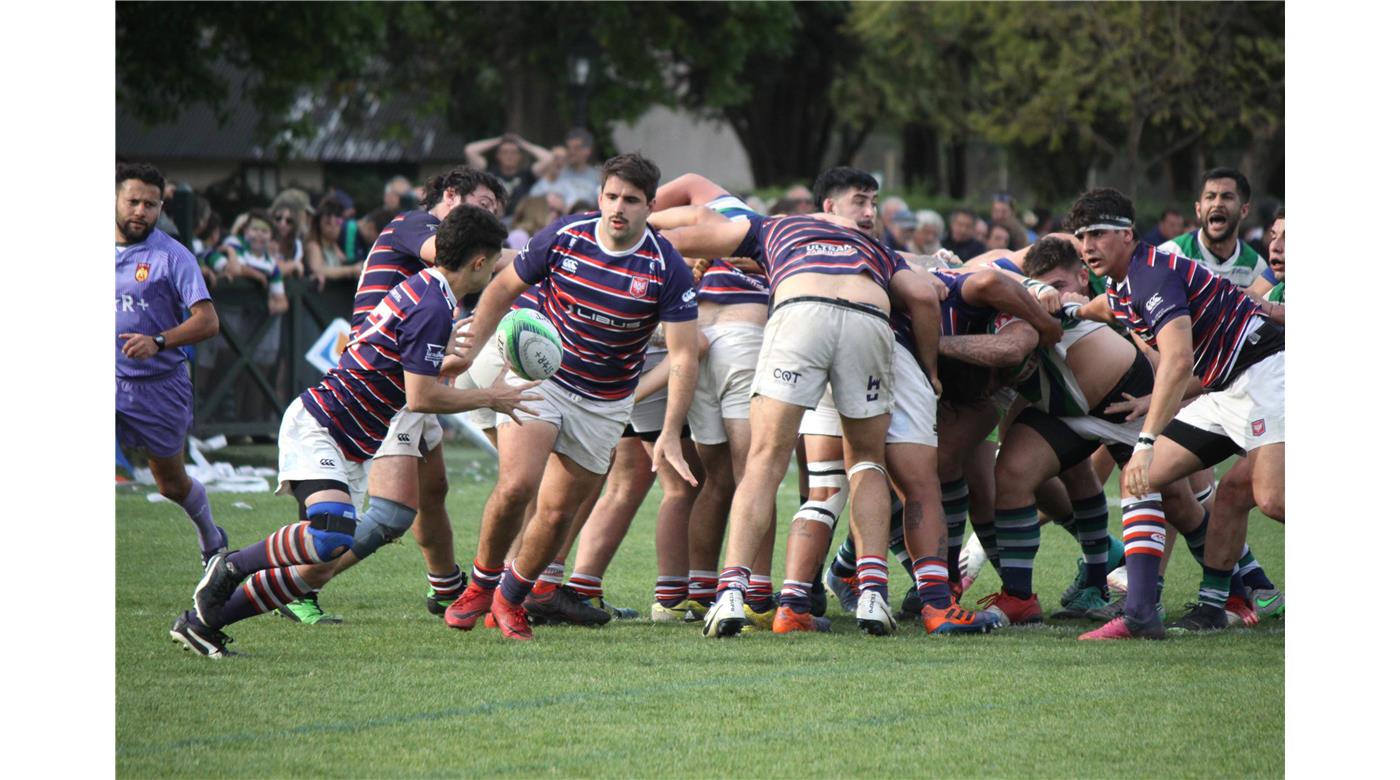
<point>325,257</point>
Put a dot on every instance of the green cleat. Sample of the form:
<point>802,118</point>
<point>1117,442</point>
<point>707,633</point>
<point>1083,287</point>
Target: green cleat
<point>618,613</point>
<point>1267,603</point>
<point>1081,604</point>
<point>308,611</point>
<point>1115,610</point>
<point>437,606</point>
<point>1081,581</point>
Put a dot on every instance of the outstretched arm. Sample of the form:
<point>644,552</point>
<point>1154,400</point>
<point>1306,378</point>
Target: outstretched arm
<point>708,240</point>
<point>688,189</point>
<point>1004,294</point>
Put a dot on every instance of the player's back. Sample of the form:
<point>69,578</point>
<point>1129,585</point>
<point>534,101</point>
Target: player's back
<point>393,259</point>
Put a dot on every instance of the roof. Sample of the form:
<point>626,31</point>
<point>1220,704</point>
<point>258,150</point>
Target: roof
<point>387,131</point>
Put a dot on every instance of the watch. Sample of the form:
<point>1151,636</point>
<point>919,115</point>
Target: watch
<point>159,339</point>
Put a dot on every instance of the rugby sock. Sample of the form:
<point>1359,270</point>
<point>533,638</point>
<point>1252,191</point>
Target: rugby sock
<point>1196,540</point>
<point>265,591</point>
<point>931,573</point>
<point>447,587</point>
<point>1066,522</point>
<point>1018,540</point>
<point>1161,587</point>
<point>955,503</point>
<point>586,585</point>
<point>549,579</point>
<point>873,573</point>
<point>796,596</point>
<point>514,588</point>
<point>844,564</point>
<point>1252,573</point>
<point>485,577</point>
<point>702,586</point>
<point>733,577</point>
<point>759,595</point>
<point>287,546</point>
<point>1205,493</point>
<point>670,591</point>
<point>1215,587</point>
<point>897,548</point>
<point>987,535</point>
<point>1091,527</point>
<point>196,505</point>
<point>1144,538</point>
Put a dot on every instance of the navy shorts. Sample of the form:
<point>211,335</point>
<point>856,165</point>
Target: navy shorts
<point>155,414</point>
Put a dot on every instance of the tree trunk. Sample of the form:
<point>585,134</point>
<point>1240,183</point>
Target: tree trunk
<point>921,167</point>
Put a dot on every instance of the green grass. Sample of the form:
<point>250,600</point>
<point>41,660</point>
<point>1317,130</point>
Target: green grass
<point>393,692</point>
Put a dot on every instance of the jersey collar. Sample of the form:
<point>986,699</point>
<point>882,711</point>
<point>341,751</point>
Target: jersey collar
<point>1205,250</point>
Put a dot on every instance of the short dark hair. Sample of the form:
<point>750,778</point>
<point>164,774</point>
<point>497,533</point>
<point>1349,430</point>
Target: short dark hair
<point>581,134</point>
<point>1094,206</point>
<point>465,233</point>
<point>1278,214</point>
<point>834,182</point>
<point>142,172</point>
<point>464,180</point>
<point>1241,183</point>
<point>1048,254</point>
<point>636,170</point>
<point>1167,212</point>
<point>962,210</point>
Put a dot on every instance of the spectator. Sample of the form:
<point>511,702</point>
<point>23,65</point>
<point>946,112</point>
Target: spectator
<point>979,229</point>
<point>962,235</point>
<point>209,239</point>
<point>583,206</point>
<point>573,178</point>
<point>326,257</point>
<point>531,216</point>
<point>899,224</point>
<point>1276,264</point>
<point>1004,214</point>
<point>1170,225</point>
<point>786,206</point>
<point>802,197</point>
<point>287,228</point>
<point>508,164</point>
<point>250,252</point>
<point>998,237</point>
<point>928,232</point>
<point>165,223</point>
<point>394,191</point>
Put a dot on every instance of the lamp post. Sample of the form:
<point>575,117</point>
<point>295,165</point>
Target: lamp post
<point>580,67</point>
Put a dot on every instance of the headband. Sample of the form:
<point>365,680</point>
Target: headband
<point>1105,222</point>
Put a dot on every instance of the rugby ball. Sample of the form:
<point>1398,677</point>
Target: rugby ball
<point>529,344</point>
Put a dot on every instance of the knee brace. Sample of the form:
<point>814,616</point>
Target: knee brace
<point>383,522</point>
<point>331,525</point>
<point>825,474</point>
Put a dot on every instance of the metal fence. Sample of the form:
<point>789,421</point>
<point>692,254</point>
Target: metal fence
<point>247,375</point>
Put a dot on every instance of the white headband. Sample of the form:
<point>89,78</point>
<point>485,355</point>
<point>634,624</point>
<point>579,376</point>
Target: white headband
<point>1106,222</point>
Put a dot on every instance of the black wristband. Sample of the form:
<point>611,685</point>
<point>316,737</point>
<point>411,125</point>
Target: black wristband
<point>159,339</point>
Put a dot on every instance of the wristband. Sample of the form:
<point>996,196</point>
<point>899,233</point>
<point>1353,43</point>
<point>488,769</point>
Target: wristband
<point>159,339</point>
<point>1145,442</point>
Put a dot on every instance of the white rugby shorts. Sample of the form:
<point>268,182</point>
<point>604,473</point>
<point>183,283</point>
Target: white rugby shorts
<point>810,342</point>
<point>915,416</point>
<point>588,429</point>
<point>723,388</point>
<point>307,451</point>
<point>411,434</point>
<point>1249,411</point>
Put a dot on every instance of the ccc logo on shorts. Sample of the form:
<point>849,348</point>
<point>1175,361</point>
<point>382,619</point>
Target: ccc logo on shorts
<point>403,438</point>
<point>327,463</point>
<point>790,377</point>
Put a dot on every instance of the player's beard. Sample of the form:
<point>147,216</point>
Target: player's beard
<point>1232,224</point>
<point>134,237</point>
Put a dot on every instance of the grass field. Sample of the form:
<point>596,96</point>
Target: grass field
<point>393,692</point>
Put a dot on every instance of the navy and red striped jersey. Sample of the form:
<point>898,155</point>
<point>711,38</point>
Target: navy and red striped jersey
<point>722,283</point>
<point>802,244</point>
<point>407,331</point>
<point>392,259</point>
<point>604,304</point>
<point>1160,287</point>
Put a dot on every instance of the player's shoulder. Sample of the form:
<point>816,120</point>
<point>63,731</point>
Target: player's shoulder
<point>160,243</point>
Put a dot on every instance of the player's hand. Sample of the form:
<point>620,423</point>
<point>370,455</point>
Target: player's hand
<point>746,264</point>
<point>939,288</point>
<point>699,267</point>
<point>668,451</point>
<point>937,385</point>
<point>463,341</point>
<point>1135,473</point>
<point>1135,407</point>
<point>138,346</point>
<point>1049,299</point>
<point>1050,333</point>
<point>946,258</point>
<point>1073,297</point>
<point>508,399</point>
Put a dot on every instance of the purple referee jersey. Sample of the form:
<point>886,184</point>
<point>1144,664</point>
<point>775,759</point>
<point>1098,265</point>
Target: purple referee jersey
<point>1160,287</point>
<point>157,280</point>
<point>392,259</point>
<point>407,331</point>
<point>604,304</point>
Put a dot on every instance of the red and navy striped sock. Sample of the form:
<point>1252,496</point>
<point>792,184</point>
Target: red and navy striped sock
<point>586,585</point>
<point>1144,539</point>
<point>796,596</point>
<point>447,586</point>
<point>289,545</point>
<point>873,573</point>
<point>759,595</point>
<point>733,577</point>
<point>514,587</point>
<point>485,577</point>
<point>551,578</point>
<point>931,574</point>
<point>264,591</point>
<point>670,591</point>
<point>702,586</point>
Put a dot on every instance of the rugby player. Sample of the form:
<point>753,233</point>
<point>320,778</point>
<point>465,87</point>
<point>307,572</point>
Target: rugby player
<point>1204,326</point>
<point>157,280</point>
<point>1221,208</point>
<point>393,361</point>
<point>604,281</point>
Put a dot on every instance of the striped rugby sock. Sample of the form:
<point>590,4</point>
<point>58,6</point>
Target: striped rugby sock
<point>1091,527</point>
<point>873,573</point>
<point>1144,538</point>
<point>585,585</point>
<point>702,586</point>
<point>486,577</point>
<point>955,503</point>
<point>796,596</point>
<point>991,546</point>
<point>447,586</point>
<point>733,577</point>
<point>1017,542</point>
<point>289,545</point>
<point>670,591</point>
<point>1252,573</point>
<point>931,574</point>
<point>1215,587</point>
<point>759,595</point>
<point>549,579</point>
<point>844,565</point>
<point>514,586</point>
<point>263,592</point>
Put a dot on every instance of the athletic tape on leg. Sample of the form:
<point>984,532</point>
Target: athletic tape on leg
<point>383,522</point>
<point>866,465</point>
<point>331,525</point>
<point>825,474</point>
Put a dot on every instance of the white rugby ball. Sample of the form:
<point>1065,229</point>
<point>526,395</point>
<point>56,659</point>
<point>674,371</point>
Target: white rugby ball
<point>529,344</point>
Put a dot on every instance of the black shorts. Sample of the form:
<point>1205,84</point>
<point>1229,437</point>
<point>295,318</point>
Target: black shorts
<point>650,436</point>
<point>1070,447</point>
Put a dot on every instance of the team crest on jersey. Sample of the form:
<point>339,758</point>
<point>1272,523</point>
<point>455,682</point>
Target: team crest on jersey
<point>143,271</point>
<point>1257,427</point>
<point>639,287</point>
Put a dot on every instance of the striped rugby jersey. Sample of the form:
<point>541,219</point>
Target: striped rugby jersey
<point>722,283</point>
<point>604,304</point>
<point>957,316</point>
<point>799,244</point>
<point>407,331</point>
<point>1160,287</point>
<point>392,259</point>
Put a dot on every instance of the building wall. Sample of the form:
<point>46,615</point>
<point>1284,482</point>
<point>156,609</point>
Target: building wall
<point>679,142</point>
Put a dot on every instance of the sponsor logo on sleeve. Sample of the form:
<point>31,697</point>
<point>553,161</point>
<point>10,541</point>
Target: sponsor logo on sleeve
<point>434,354</point>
